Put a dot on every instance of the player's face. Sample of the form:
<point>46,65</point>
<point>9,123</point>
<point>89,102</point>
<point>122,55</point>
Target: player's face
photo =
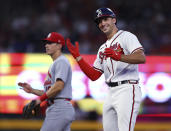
<point>106,24</point>
<point>51,48</point>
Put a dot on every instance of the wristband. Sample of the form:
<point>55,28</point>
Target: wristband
<point>78,58</point>
<point>43,97</point>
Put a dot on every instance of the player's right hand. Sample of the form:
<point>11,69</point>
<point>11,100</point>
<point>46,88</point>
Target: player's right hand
<point>26,87</point>
<point>113,54</point>
<point>74,50</point>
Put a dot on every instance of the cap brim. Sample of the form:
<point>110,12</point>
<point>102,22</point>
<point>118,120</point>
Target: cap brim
<point>96,20</point>
<point>46,40</point>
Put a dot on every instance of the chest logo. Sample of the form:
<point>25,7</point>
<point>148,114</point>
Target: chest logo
<point>116,47</point>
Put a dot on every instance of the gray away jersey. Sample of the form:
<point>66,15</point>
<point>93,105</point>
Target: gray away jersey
<point>61,69</point>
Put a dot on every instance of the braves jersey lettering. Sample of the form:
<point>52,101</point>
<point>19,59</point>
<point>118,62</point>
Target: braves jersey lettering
<point>117,48</point>
<point>114,46</point>
<point>102,56</point>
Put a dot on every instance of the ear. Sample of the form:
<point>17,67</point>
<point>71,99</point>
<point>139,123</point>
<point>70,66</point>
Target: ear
<point>60,46</point>
<point>114,20</point>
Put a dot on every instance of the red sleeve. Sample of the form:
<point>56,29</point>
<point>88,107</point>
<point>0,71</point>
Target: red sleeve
<point>89,71</point>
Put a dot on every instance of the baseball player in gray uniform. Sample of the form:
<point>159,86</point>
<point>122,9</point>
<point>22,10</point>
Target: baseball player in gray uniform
<point>118,59</point>
<point>58,91</point>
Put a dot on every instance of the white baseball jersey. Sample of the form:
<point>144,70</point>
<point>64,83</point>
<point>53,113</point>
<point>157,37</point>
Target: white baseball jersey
<point>116,70</point>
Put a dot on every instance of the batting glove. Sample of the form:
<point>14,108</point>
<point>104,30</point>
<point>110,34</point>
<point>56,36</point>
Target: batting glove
<point>74,50</point>
<point>113,54</point>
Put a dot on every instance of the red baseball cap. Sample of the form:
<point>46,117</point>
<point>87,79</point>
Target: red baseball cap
<point>55,38</point>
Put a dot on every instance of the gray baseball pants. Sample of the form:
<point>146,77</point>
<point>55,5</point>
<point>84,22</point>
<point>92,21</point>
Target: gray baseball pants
<point>59,116</point>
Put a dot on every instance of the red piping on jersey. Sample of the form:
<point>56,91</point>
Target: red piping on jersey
<point>116,37</point>
<point>112,68</point>
<point>108,69</point>
<point>132,108</point>
<point>111,59</point>
<point>107,66</point>
<point>140,48</point>
<point>155,115</point>
<point>105,45</point>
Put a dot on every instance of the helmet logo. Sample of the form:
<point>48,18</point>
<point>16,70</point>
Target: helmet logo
<point>49,35</point>
<point>99,13</point>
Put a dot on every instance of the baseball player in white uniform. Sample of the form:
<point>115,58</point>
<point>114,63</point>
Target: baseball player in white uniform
<point>58,91</point>
<point>118,59</point>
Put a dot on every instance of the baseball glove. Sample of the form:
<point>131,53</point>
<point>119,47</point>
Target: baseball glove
<point>31,110</point>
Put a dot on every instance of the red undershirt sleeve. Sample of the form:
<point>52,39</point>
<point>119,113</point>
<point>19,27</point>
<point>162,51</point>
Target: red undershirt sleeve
<point>88,70</point>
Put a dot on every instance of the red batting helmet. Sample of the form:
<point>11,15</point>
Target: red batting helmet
<point>55,37</point>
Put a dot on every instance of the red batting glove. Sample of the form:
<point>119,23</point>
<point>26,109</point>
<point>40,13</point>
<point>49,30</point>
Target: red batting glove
<point>113,54</point>
<point>74,50</point>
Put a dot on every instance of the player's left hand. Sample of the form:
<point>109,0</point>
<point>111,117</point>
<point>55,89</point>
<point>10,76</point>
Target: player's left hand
<point>26,87</point>
<point>113,54</point>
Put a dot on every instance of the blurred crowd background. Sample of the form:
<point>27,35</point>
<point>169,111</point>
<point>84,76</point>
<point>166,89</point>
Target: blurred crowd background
<point>25,22</point>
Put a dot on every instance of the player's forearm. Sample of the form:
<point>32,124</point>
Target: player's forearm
<point>135,58</point>
<point>37,92</point>
<point>88,70</point>
<point>55,89</point>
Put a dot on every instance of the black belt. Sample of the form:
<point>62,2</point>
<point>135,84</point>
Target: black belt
<point>113,84</point>
<point>51,100</point>
<point>68,99</point>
